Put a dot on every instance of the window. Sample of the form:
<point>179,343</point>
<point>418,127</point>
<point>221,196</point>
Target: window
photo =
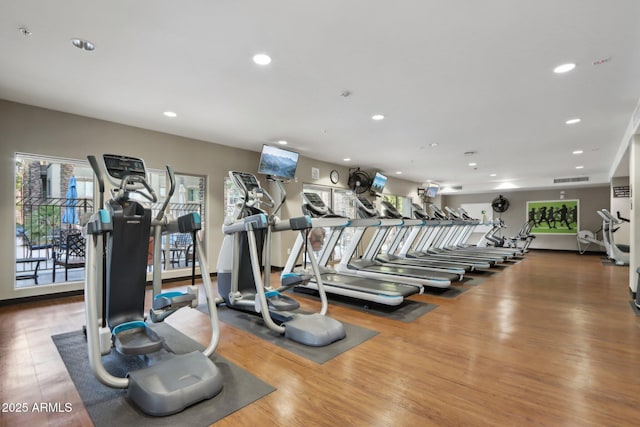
<point>341,202</point>
<point>47,212</point>
<point>403,205</point>
<point>232,196</point>
<point>188,197</point>
<point>53,195</point>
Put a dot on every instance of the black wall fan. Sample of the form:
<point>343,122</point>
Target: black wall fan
<point>359,181</point>
<point>500,204</point>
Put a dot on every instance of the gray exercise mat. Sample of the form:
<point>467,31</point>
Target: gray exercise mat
<point>408,311</point>
<point>471,280</point>
<point>109,407</point>
<point>253,324</point>
<point>453,291</point>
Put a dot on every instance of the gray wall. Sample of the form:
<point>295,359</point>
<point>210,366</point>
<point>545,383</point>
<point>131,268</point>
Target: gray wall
<point>39,131</point>
<point>591,199</point>
<point>34,130</point>
<point>292,208</point>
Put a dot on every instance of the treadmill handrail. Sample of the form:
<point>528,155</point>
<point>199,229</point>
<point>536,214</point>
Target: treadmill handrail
<point>365,222</point>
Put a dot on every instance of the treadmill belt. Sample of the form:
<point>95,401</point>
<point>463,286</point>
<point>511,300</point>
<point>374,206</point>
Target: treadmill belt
<point>367,285</point>
<point>408,311</point>
<point>412,272</point>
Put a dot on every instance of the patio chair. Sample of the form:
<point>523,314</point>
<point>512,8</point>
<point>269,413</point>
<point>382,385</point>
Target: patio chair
<point>30,246</point>
<point>180,248</point>
<point>69,252</point>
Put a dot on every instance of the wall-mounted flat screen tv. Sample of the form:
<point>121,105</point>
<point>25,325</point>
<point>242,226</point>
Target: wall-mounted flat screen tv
<point>379,181</point>
<point>432,190</point>
<point>278,162</point>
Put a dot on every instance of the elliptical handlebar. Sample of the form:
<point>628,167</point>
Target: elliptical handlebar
<point>172,189</point>
<point>132,180</point>
<point>96,170</point>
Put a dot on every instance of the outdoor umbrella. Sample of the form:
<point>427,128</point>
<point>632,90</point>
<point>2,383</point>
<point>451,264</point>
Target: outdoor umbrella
<point>70,216</point>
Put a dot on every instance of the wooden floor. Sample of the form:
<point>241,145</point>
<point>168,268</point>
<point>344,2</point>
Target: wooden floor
<point>548,341</point>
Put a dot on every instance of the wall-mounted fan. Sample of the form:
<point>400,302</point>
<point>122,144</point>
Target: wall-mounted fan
<point>500,204</point>
<point>359,181</point>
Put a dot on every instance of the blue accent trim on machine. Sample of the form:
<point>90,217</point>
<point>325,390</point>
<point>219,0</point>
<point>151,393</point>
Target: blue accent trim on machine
<point>257,221</point>
<point>128,325</point>
<point>169,295</point>
<point>104,216</point>
<point>271,294</point>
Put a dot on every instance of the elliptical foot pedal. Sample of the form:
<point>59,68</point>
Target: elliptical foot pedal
<point>135,338</point>
<point>314,330</point>
<point>280,302</point>
<point>173,384</point>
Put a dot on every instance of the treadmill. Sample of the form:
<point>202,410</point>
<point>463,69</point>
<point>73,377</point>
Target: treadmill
<point>368,266</point>
<point>432,245</point>
<point>385,292</point>
<point>390,256</point>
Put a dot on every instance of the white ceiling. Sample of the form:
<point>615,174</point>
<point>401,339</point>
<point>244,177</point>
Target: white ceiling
<point>468,75</point>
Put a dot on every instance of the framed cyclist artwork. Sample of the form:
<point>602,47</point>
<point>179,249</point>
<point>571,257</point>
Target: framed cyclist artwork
<point>554,216</point>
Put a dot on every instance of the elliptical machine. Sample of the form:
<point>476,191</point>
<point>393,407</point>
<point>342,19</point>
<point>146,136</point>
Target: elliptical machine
<point>117,253</point>
<point>620,254</point>
<point>241,284</point>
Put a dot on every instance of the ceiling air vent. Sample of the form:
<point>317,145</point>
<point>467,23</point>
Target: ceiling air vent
<point>575,179</point>
<point>456,187</point>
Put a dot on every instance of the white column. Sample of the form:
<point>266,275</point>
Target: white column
<point>634,182</point>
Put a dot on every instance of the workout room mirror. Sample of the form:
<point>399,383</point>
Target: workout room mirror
<point>554,216</point>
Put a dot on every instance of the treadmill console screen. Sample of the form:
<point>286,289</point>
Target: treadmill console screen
<point>314,200</point>
<point>367,207</point>
<point>418,212</point>
<point>366,203</point>
<point>391,210</point>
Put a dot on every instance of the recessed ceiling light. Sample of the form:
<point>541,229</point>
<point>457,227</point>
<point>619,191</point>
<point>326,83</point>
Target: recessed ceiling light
<point>169,114</point>
<point>564,68</point>
<point>473,164</point>
<point>493,174</point>
<point>282,142</point>
<point>573,121</point>
<point>578,152</point>
<point>377,117</point>
<point>83,44</point>
<point>347,159</point>
<point>506,186</point>
<point>433,144</point>
<point>579,167</point>
<point>399,173</point>
<point>262,59</point>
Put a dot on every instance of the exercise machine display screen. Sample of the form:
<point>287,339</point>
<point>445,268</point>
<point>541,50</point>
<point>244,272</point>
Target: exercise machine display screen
<point>248,180</point>
<point>391,210</point>
<point>120,166</point>
<point>379,181</point>
<point>314,199</point>
<point>278,162</point>
<point>432,190</point>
